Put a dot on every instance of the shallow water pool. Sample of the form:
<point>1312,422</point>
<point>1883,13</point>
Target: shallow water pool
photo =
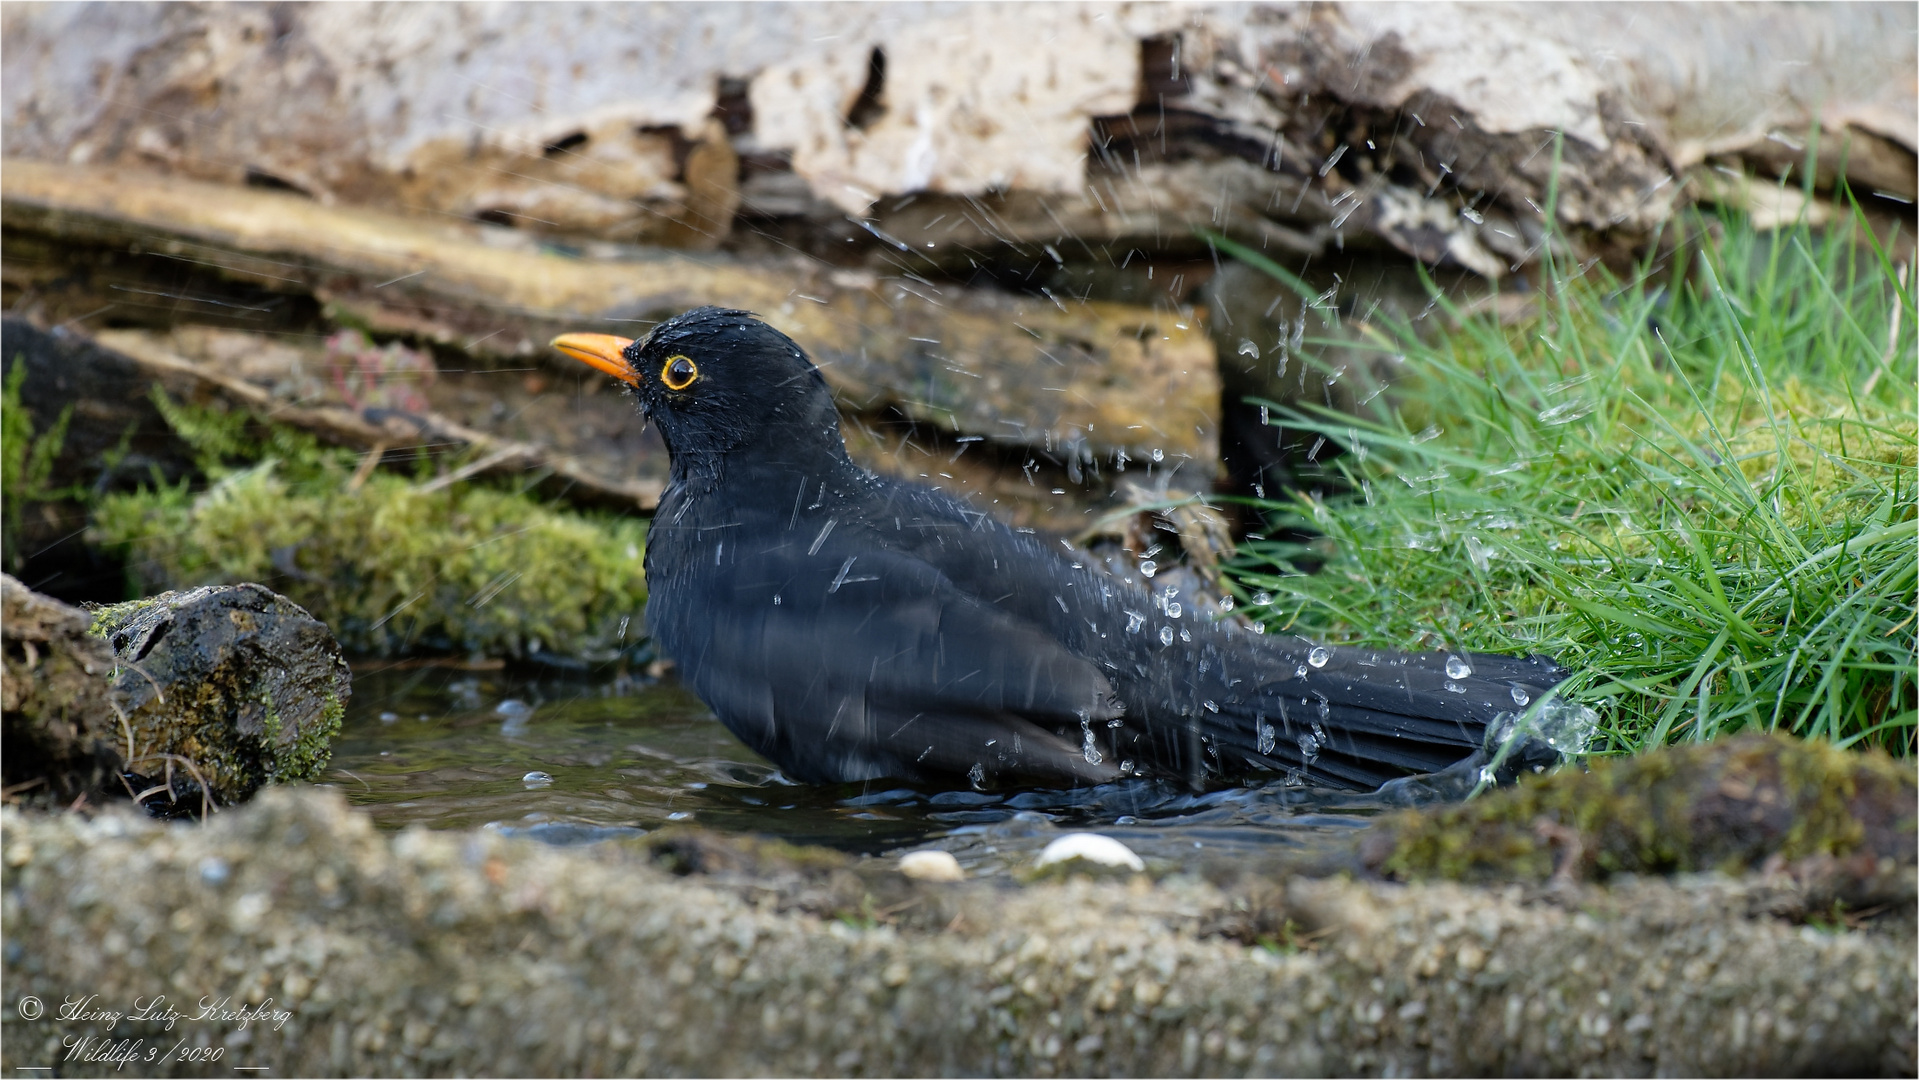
<point>569,760</point>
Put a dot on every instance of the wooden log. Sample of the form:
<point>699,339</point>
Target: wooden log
<point>386,428</point>
<point>1085,380</point>
<point>65,730</point>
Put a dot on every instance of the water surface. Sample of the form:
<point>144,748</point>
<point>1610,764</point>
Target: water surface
<point>571,760</point>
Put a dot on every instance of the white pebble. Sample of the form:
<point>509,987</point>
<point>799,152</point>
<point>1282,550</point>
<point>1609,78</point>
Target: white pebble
<point>931,866</point>
<point>1094,848</point>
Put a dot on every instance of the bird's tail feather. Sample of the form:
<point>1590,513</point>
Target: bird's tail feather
<point>1362,718</point>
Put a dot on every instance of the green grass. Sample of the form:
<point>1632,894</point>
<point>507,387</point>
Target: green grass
<point>391,564</point>
<point>1700,495</point>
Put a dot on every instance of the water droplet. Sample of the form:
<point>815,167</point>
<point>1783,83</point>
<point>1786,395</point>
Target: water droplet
<point>1148,567</point>
<point>1480,554</point>
<point>512,707</point>
<point>1428,434</point>
<point>1134,620</point>
<point>1520,697</point>
<point>1567,727</point>
<point>1126,766</point>
<point>1158,454</point>
<point>537,779</point>
<point>1210,706</point>
<point>1247,348</point>
<point>1299,672</point>
<point>389,717</point>
<point>1268,738</point>
<point>1318,656</point>
<point>1308,747</point>
<point>1087,748</point>
<point>1262,598</point>
<point>1226,603</point>
<point>1165,635</point>
<point>1173,610</point>
<point>977,775</point>
<point>1564,413</point>
<point>1458,668</point>
<point>1186,635</point>
<point>1454,688</point>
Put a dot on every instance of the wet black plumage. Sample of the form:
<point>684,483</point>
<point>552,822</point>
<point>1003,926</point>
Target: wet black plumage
<point>852,627</point>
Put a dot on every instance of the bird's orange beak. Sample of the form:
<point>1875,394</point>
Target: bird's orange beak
<point>603,351</point>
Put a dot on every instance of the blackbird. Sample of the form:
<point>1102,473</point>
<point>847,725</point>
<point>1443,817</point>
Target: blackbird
<point>851,627</point>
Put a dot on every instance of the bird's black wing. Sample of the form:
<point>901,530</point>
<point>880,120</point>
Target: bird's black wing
<point>848,661</point>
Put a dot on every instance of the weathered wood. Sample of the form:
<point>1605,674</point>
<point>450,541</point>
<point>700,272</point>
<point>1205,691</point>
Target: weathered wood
<point>393,428</point>
<point>1082,379</point>
<point>64,727</point>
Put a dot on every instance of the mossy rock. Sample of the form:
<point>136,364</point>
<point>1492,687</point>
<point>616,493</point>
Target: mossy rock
<point>1728,805</point>
<point>234,686</point>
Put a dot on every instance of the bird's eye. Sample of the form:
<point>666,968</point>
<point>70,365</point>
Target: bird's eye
<point>679,372</point>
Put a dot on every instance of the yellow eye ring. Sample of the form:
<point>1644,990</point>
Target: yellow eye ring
<point>679,372</point>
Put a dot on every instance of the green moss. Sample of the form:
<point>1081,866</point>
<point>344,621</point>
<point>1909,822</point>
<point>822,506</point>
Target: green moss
<point>111,616</point>
<point>1727,805</point>
<point>390,567</point>
<point>306,758</point>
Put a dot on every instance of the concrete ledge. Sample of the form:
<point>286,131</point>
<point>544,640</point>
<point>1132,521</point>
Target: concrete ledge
<point>438,953</point>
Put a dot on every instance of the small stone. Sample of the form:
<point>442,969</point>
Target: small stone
<point>1094,848</point>
<point>931,866</point>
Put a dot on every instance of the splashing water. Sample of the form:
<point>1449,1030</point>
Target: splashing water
<point>1479,553</point>
<point>1318,656</point>
<point>1565,413</point>
<point>1458,668</point>
<point>1087,748</point>
<point>1566,726</point>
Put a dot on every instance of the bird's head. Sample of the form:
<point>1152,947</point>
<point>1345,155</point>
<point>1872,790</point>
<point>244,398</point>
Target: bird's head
<point>715,379</point>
